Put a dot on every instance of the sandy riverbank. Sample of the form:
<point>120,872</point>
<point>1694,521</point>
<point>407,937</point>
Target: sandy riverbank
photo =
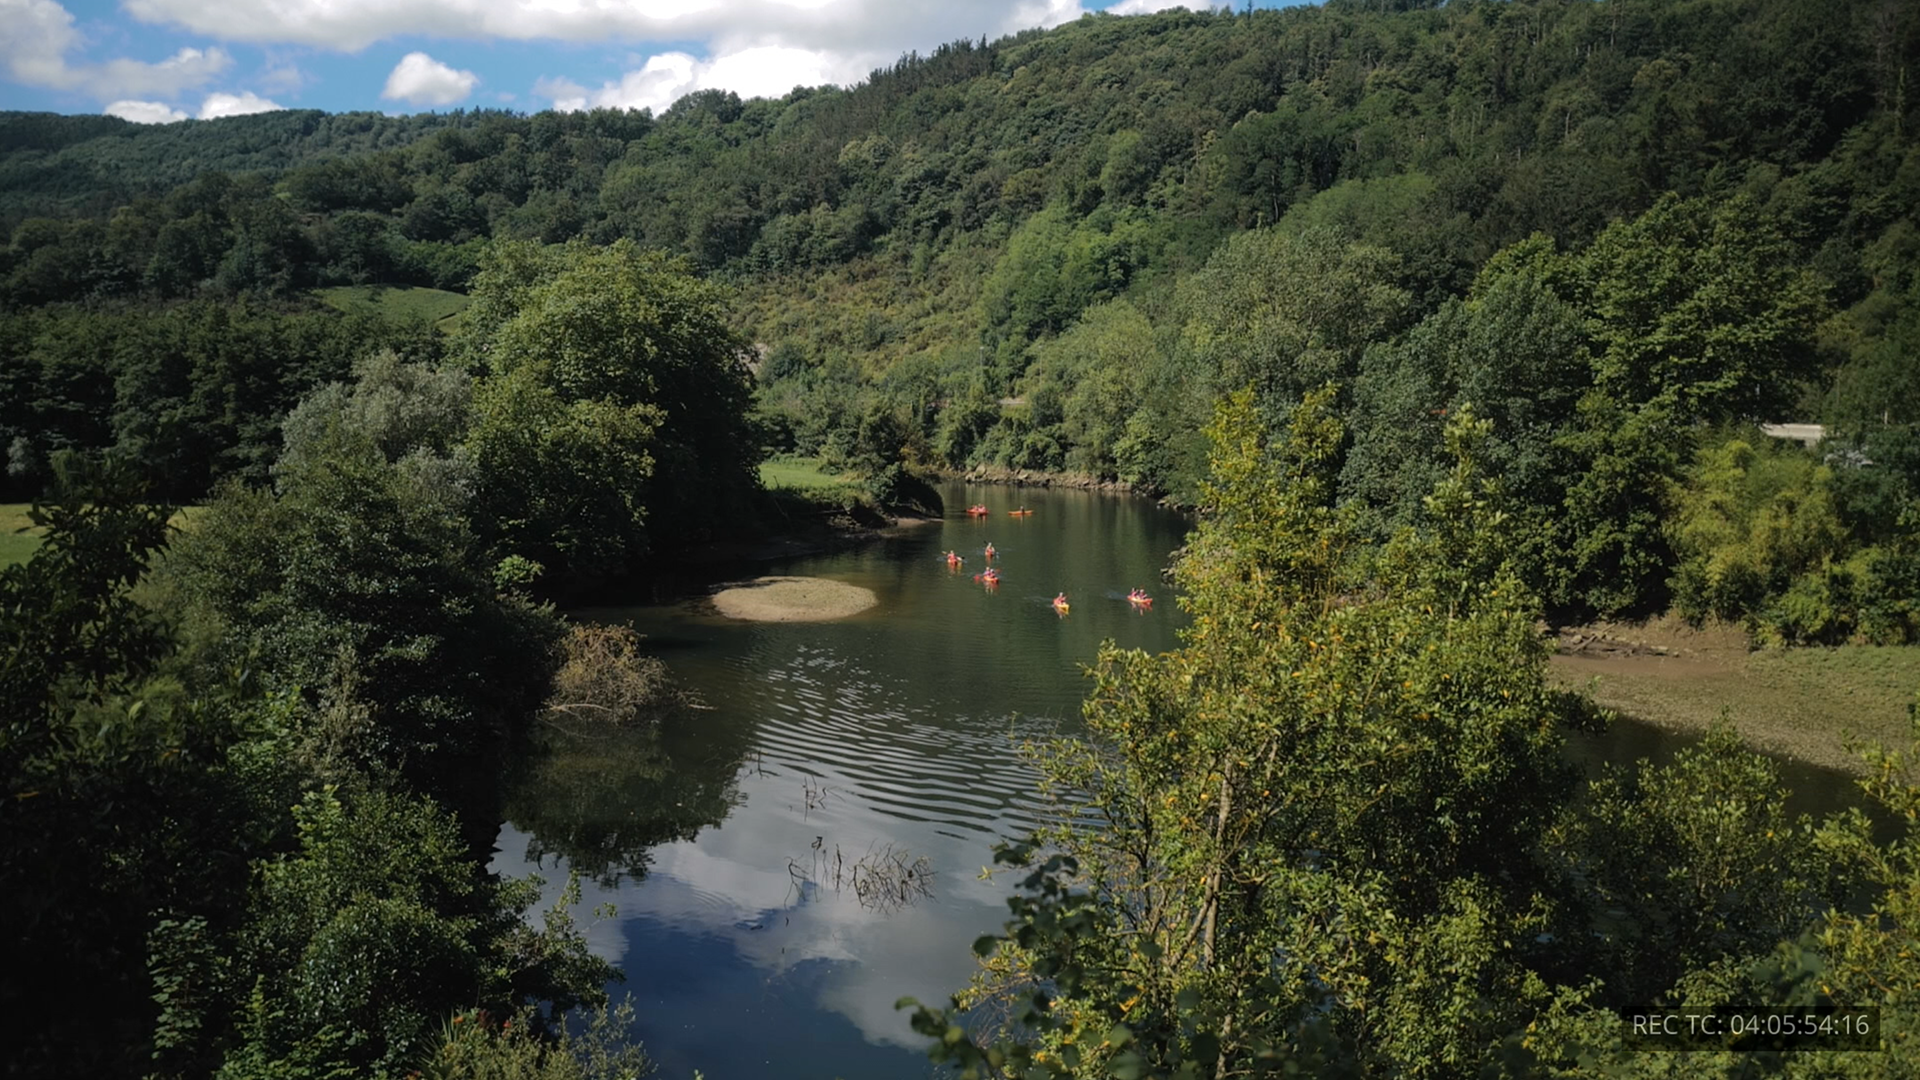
<point>792,599</point>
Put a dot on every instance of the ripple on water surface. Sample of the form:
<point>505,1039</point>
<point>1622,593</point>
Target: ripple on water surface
<point>858,732</point>
<point>896,729</point>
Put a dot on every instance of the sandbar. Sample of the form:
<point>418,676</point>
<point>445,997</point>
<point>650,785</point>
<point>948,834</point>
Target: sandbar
<point>792,599</point>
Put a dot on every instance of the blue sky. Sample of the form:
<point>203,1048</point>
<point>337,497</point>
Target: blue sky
<point>162,60</point>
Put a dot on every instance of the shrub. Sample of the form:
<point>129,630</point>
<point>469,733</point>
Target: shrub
<point>605,677</point>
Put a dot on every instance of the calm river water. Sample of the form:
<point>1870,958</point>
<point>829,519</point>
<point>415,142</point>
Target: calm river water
<point>890,737</point>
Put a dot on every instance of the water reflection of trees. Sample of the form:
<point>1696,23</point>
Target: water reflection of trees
<point>602,796</point>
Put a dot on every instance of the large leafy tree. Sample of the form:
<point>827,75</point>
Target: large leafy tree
<point>1702,308</point>
<point>118,800</point>
<point>1314,823</point>
<point>637,354</point>
<point>1286,311</point>
<point>373,602</point>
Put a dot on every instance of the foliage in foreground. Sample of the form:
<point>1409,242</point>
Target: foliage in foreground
<point>1335,833</point>
<point>243,879</point>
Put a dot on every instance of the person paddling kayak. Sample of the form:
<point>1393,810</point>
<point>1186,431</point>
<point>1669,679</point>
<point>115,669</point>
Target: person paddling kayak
<point>1060,603</point>
<point>990,552</point>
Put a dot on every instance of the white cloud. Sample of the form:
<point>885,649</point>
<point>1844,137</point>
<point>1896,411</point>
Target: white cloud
<point>841,26</point>
<point>144,112</point>
<point>40,34</point>
<point>1146,7</point>
<point>281,78</point>
<point>1031,13</point>
<point>421,80</point>
<point>218,105</point>
<point>752,47</point>
<point>761,71</point>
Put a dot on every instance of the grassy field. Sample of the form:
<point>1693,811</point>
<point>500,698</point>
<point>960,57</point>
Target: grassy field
<point>398,302</point>
<point>15,546</point>
<point>800,483</point>
<point>796,472</point>
<point>1801,702</point>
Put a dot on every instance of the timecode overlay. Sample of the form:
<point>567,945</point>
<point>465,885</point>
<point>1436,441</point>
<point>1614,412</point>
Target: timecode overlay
<point>1753,1028</point>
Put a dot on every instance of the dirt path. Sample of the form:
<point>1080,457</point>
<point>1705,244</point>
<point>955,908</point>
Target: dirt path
<point>1801,702</point>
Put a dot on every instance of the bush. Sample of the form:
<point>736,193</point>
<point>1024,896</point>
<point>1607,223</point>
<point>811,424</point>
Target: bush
<point>605,677</point>
<point>898,488</point>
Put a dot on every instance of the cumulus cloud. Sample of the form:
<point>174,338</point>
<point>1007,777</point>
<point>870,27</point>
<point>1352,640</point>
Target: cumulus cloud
<point>281,78</point>
<point>40,34</point>
<point>840,26</point>
<point>218,105</point>
<point>1146,7</point>
<point>752,47</point>
<point>763,71</point>
<point>144,112</point>
<point>215,106</point>
<point>421,80</point>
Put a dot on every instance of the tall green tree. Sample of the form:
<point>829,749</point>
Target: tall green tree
<point>1313,825</point>
<point>1701,308</point>
<point>633,340</point>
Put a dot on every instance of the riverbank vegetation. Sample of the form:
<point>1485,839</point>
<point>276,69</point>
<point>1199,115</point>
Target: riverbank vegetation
<point>253,766</point>
<point>1336,832</point>
<point>1520,281</point>
<point>1626,232</point>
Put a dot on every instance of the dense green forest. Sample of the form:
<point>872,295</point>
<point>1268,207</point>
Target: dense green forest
<point>1625,231</point>
<point>1480,302</point>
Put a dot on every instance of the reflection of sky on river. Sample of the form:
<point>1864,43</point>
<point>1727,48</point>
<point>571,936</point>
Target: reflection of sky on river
<point>903,722</point>
<point>895,727</point>
<point>744,928</point>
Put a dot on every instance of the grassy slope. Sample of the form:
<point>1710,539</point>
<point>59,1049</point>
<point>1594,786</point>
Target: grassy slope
<point>795,472</point>
<point>15,546</point>
<point>799,484</point>
<point>1804,702</point>
<point>397,302</point>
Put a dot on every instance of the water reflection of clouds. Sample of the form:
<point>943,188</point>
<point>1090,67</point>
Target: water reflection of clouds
<point>897,727</point>
<point>734,878</point>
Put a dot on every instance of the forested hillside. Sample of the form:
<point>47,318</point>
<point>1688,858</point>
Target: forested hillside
<point>1447,317</point>
<point>1623,229</point>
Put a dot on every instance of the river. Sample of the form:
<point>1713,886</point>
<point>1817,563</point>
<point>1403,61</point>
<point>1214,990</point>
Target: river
<point>734,841</point>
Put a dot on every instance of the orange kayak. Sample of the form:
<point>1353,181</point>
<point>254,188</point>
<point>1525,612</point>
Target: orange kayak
<point>1062,606</point>
<point>977,511</point>
<point>1018,513</point>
